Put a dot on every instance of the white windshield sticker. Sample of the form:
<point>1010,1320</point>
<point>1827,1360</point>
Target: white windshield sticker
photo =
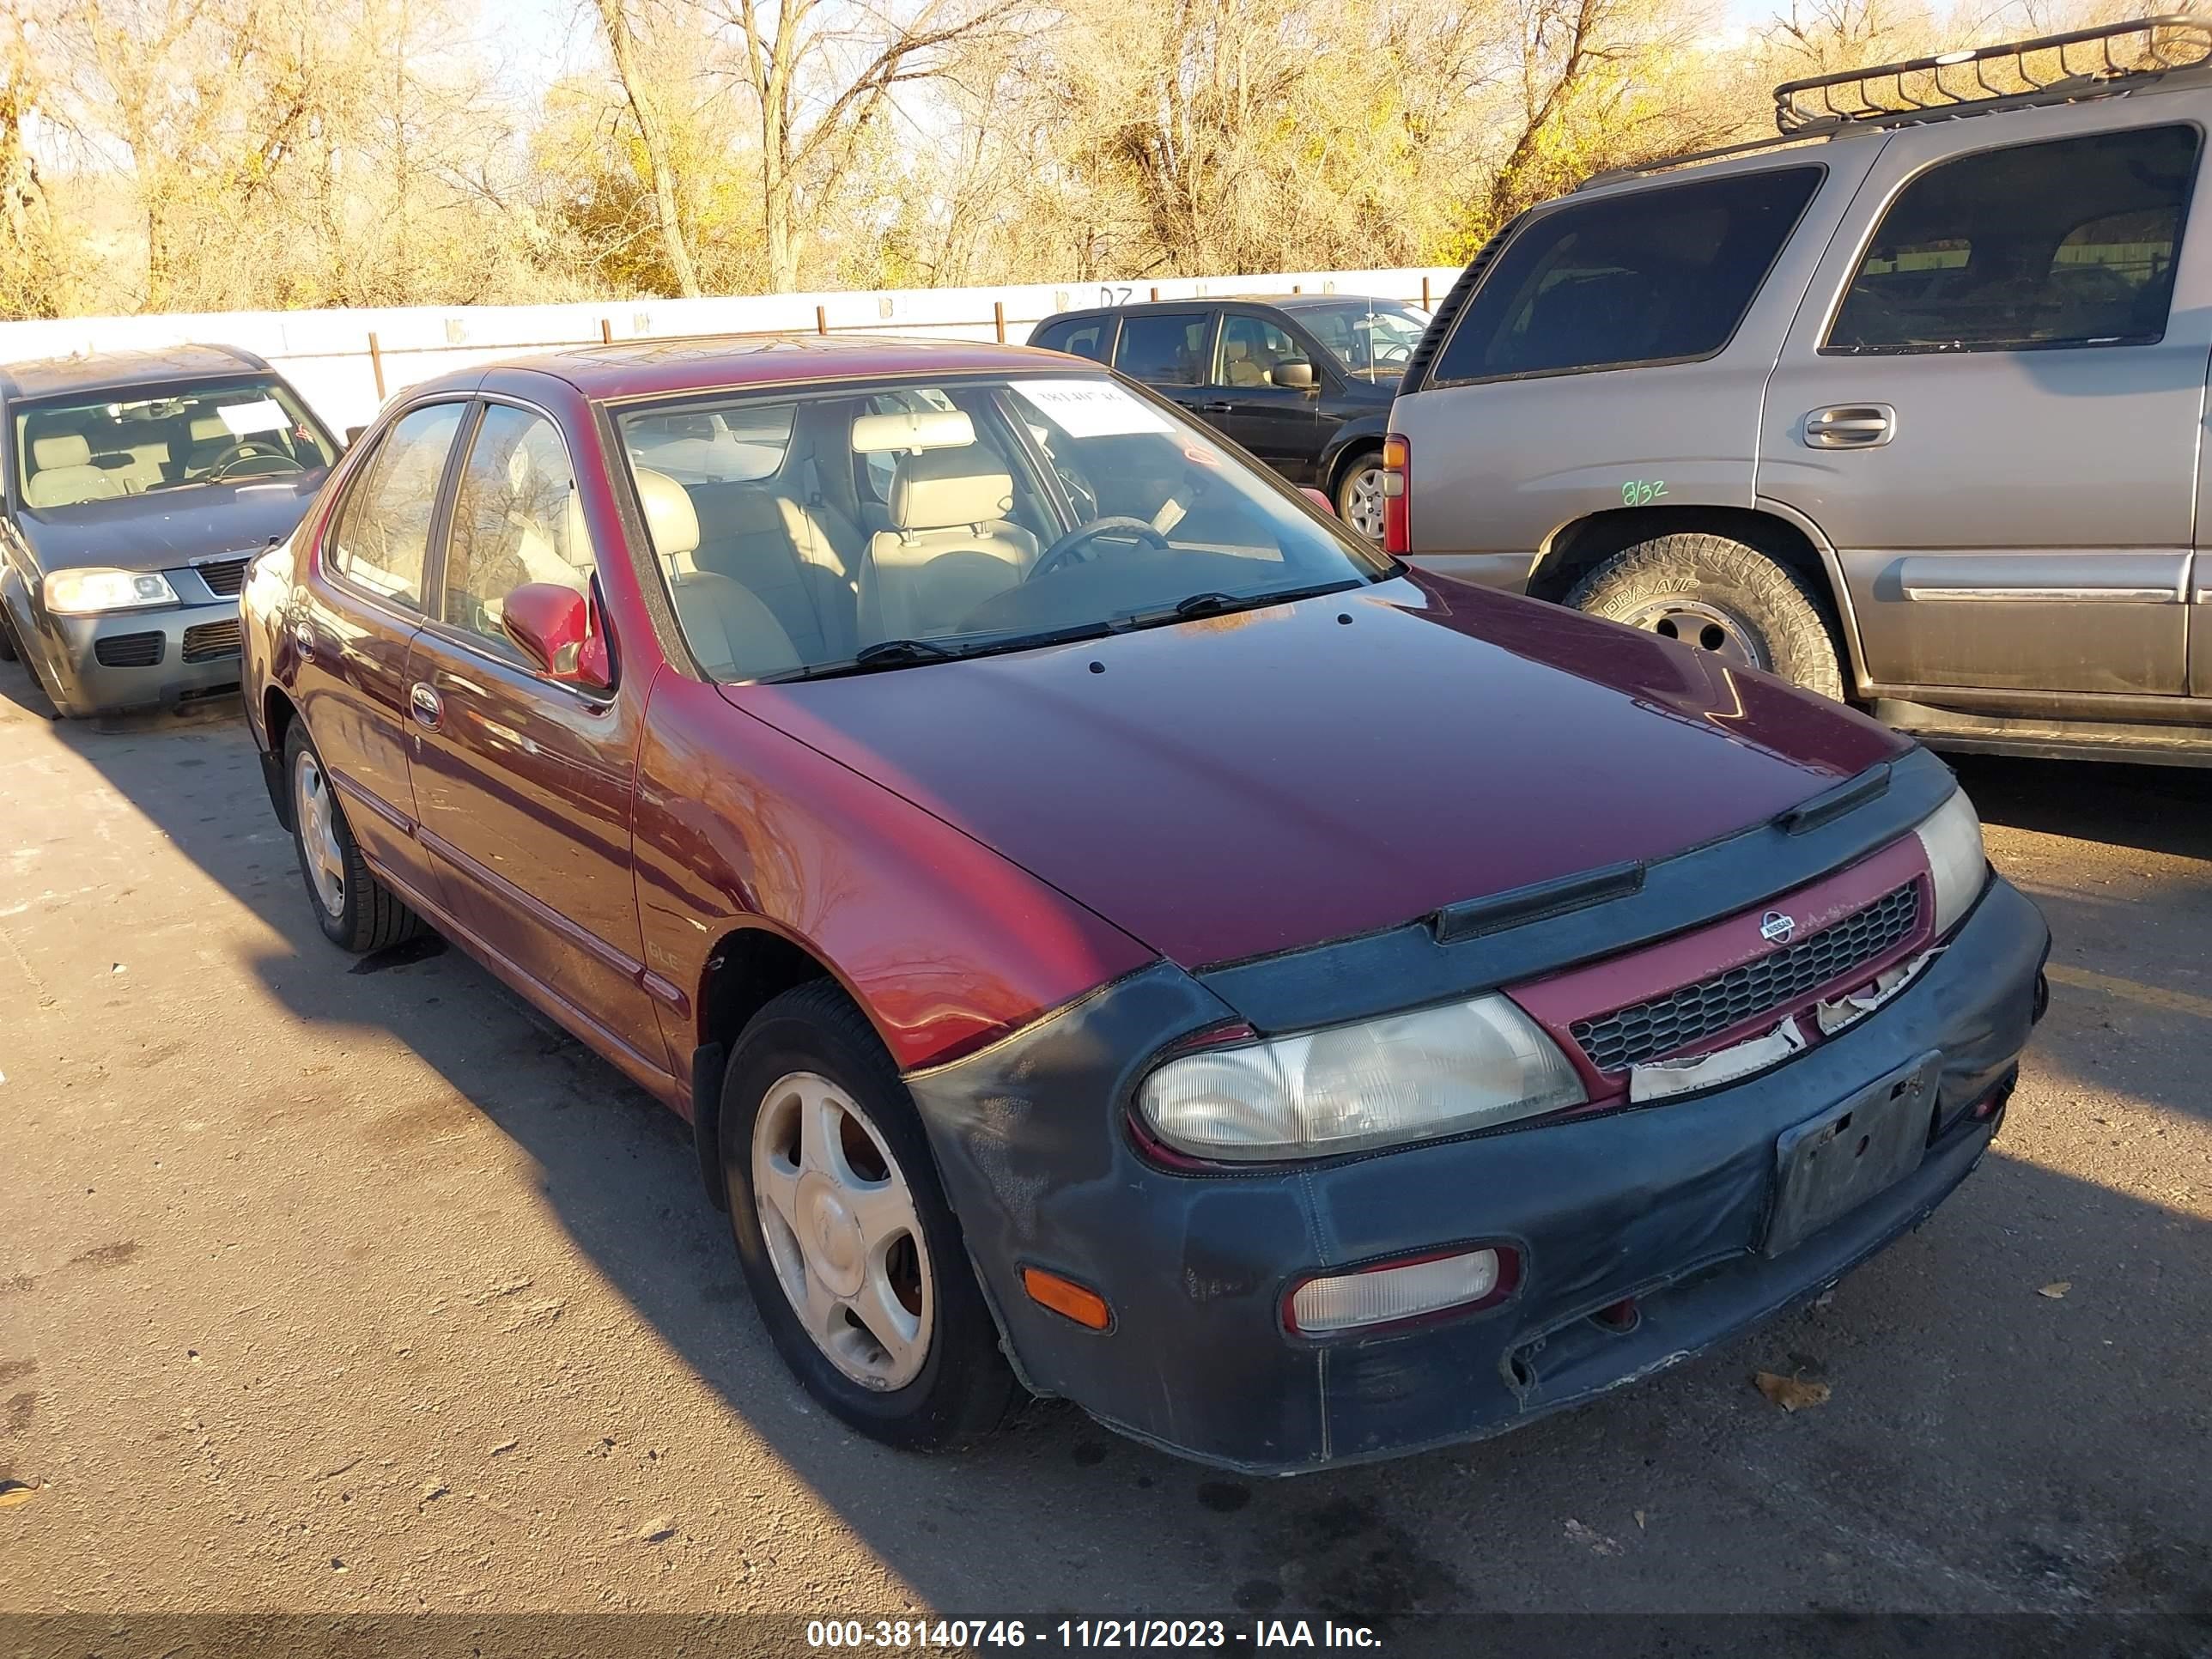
<point>262,416</point>
<point>1092,408</point>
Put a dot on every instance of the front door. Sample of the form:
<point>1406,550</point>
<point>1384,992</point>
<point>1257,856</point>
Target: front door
<point>365,590</point>
<point>1990,406</point>
<point>1278,423</point>
<point>525,786</point>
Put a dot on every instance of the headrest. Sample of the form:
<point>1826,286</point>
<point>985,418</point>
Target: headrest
<point>64,449</point>
<point>939,488</point>
<point>206,428</point>
<point>669,513</point>
<point>913,428</point>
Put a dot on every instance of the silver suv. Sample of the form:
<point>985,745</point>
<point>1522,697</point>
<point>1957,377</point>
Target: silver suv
<point>1901,405</point>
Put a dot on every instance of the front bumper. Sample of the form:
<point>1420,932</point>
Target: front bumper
<point>1665,1203</point>
<point>140,659</point>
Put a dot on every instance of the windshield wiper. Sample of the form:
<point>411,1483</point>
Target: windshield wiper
<point>1193,606</point>
<point>897,654</point>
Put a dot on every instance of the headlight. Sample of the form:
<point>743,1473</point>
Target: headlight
<point>1951,835</point>
<point>1406,1077</point>
<point>88,592</point>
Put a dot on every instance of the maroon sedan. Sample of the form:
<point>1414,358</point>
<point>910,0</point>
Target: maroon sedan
<point>1114,933</point>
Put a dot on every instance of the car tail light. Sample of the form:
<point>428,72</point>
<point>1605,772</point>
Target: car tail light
<point>1392,1292</point>
<point>1397,492</point>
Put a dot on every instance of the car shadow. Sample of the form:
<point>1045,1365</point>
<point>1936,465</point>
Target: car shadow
<point>1984,1447</point>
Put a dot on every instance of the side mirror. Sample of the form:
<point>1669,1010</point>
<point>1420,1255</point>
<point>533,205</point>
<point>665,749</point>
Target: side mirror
<point>353,435</point>
<point>551,626</point>
<point>1296,373</point>
<point>1319,498</point>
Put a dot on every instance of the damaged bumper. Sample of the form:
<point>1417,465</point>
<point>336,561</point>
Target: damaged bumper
<point>1643,1235</point>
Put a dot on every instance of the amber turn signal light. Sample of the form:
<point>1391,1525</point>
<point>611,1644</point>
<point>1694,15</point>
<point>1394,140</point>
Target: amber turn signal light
<point>1067,1297</point>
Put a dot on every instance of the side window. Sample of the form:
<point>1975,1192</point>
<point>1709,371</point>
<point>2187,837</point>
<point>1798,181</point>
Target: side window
<point>1085,336</point>
<point>515,520</point>
<point>2069,242</point>
<point>1250,350</point>
<point>384,529</point>
<point>1660,274</point>
<point>1164,348</point>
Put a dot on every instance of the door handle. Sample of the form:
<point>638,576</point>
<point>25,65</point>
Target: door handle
<point>303,641</point>
<point>426,704</point>
<point>1850,426</point>
<point>1219,406</point>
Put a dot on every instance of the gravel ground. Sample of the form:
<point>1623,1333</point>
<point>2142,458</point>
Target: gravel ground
<point>344,1287</point>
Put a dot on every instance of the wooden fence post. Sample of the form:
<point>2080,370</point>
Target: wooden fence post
<point>821,319</point>
<point>998,317</point>
<point>1425,305</point>
<point>606,331</point>
<point>376,364</point>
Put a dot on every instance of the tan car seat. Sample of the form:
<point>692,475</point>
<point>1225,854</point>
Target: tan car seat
<point>63,473</point>
<point>733,634</point>
<point>949,546</point>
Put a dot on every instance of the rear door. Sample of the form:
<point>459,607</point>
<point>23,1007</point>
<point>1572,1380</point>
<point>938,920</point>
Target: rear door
<point>1172,352</point>
<point>365,594</point>
<point>1990,407</point>
<point>1280,424</point>
<point>525,786</point>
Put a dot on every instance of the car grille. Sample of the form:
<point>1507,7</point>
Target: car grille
<point>1647,1030</point>
<point>223,578</point>
<point>128,650</point>
<point>211,639</point>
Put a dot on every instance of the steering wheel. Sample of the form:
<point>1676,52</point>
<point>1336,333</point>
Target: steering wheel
<point>250,449</point>
<point>1063,550</point>
<point>1396,352</point>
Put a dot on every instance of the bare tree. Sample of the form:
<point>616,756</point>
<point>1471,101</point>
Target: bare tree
<point>652,132</point>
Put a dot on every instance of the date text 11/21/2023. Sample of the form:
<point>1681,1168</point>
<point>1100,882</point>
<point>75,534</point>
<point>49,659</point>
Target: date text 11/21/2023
<point>896,1634</point>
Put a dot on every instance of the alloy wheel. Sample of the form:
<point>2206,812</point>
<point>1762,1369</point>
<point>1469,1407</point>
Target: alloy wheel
<point>316,814</point>
<point>842,1231</point>
<point>1363,501</point>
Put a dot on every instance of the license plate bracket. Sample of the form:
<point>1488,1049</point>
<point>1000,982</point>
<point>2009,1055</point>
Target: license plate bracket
<point>1838,1158</point>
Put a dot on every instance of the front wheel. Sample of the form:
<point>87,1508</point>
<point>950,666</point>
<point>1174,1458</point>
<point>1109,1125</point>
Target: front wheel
<point>357,912</point>
<point>853,1256</point>
<point>1359,494</point>
<point>1718,595</point>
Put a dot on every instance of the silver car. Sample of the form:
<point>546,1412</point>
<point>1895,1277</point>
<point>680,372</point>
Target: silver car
<point>1903,406</point>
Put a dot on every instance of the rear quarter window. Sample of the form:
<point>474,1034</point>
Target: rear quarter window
<point>1085,336</point>
<point>1656,275</point>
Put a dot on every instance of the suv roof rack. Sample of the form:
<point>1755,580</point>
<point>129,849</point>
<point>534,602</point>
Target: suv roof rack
<point>1931,89</point>
<point>1953,84</point>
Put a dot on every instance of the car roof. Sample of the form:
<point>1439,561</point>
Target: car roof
<point>660,368</point>
<point>1280,302</point>
<point>96,371</point>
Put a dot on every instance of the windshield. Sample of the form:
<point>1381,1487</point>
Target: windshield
<point>874,526</point>
<point>1368,336</point>
<point>128,440</point>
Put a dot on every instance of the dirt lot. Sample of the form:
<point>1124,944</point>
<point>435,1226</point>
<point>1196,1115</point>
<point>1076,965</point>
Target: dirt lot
<point>344,1287</point>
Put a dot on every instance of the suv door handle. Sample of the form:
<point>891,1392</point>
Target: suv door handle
<point>1850,426</point>
<point>426,704</point>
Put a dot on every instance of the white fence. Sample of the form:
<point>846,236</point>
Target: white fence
<point>347,362</point>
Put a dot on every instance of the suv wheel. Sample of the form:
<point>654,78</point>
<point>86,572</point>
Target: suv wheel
<point>853,1256</point>
<point>1359,494</point>
<point>1718,595</point>
<point>358,912</point>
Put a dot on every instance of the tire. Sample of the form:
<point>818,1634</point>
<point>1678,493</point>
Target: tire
<point>940,1382</point>
<point>363,914</point>
<point>1717,594</point>
<point>1359,494</point>
<point>8,653</point>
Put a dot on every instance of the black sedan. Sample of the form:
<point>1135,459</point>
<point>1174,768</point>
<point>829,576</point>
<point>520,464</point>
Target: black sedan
<point>1303,381</point>
<point>137,486</point>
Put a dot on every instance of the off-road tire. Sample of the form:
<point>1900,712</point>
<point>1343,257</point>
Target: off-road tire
<point>1777,611</point>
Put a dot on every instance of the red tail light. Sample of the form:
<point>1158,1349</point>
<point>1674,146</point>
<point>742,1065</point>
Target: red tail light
<point>1397,494</point>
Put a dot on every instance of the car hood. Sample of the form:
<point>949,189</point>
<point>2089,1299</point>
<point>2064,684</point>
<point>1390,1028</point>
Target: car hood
<point>1242,784</point>
<point>164,529</point>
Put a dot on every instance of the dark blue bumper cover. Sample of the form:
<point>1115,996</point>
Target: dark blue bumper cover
<point>1666,1203</point>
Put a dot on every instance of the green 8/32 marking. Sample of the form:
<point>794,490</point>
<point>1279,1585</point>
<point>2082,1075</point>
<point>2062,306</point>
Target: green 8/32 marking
<point>1641,492</point>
